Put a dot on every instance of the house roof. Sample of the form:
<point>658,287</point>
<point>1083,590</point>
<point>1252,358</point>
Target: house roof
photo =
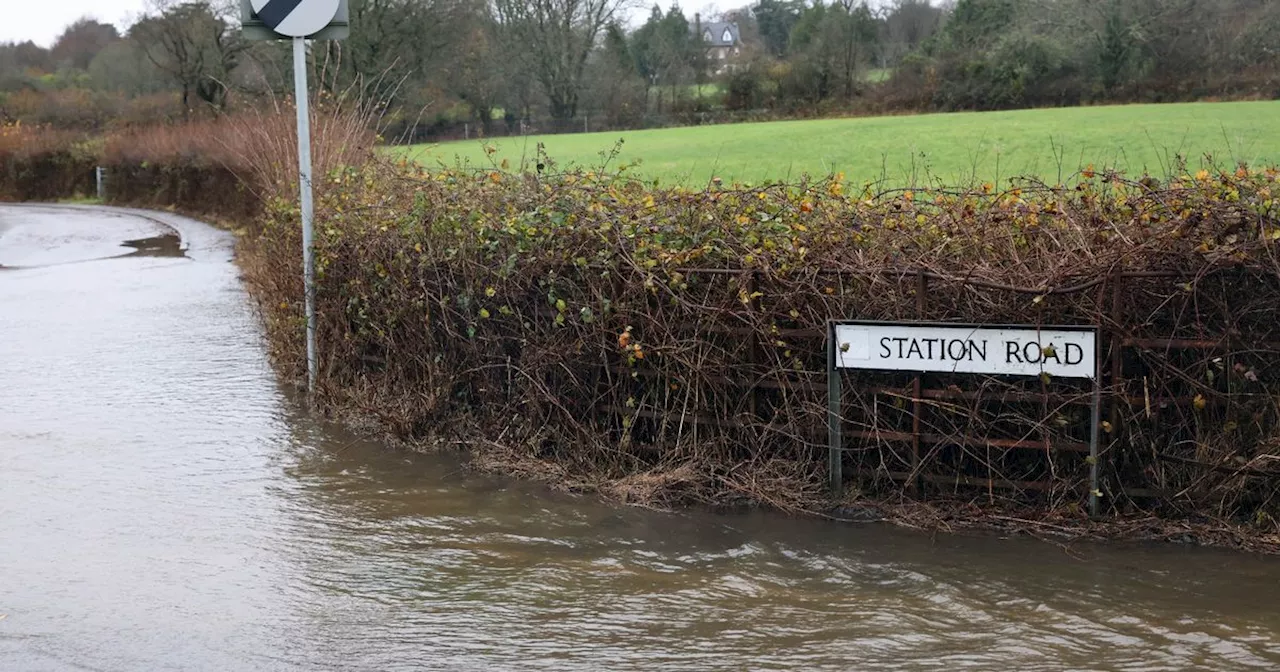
<point>715,32</point>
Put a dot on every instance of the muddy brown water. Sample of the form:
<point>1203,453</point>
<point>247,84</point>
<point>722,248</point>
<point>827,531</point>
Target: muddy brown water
<point>164,505</point>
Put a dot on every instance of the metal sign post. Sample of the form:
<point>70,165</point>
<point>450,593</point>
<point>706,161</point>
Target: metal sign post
<point>835,453</point>
<point>304,199</point>
<point>300,20</point>
<point>1064,352</point>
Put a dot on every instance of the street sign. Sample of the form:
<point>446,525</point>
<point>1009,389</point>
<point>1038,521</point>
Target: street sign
<point>300,20</point>
<point>290,16</point>
<point>1061,352</point>
<point>923,347</point>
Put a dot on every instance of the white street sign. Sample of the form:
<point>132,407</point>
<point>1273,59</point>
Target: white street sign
<point>1017,351</point>
<point>295,18</point>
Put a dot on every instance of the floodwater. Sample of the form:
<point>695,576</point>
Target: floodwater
<point>164,505</point>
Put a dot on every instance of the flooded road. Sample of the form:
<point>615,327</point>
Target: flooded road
<point>164,505</point>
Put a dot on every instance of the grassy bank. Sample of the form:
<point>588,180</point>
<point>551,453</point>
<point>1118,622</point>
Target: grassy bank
<point>953,149</point>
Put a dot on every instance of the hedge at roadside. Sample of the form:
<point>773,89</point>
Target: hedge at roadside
<point>665,345</point>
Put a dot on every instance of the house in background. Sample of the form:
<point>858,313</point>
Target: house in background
<point>723,41</point>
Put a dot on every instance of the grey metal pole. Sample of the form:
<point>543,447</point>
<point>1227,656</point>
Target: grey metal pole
<point>1096,419</point>
<point>835,443</point>
<point>304,187</point>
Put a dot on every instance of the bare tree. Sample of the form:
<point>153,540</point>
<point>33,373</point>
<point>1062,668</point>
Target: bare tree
<point>908,23</point>
<point>83,40</point>
<point>395,46</point>
<point>194,44</point>
<point>557,36</point>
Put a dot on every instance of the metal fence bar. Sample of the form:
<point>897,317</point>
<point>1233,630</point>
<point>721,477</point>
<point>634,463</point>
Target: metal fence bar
<point>835,456</point>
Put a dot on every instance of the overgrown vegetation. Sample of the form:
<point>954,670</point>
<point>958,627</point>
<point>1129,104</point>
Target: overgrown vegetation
<point>665,346</point>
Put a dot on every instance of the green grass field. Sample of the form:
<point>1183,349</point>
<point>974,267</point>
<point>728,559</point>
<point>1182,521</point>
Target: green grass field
<point>954,149</point>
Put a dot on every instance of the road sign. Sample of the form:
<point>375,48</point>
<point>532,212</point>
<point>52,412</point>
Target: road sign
<point>1025,350</point>
<point>283,19</point>
<point>947,348</point>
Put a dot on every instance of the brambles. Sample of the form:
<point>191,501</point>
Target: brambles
<point>610,334</point>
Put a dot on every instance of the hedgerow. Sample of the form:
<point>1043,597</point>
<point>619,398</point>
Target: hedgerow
<point>665,345</point>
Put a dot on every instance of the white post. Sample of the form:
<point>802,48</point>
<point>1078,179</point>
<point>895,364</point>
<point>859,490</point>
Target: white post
<point>99,173</point>
<point>304,187</point>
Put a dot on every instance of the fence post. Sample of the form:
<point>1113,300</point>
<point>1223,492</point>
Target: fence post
<point>100,175</point>
<point>1117,388</point>
<point>835,443</point>
<point>1095,419</point>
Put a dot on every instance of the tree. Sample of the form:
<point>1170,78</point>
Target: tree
<point>774,21</point>
<point>21,57</point>
<point>908,23</point>
<point>397,48</point>
<point>123,66</point>
<point>615,87</point>
<point>556,36</point>
<point>667,52</point>
<point>479,72</point>
<point>83,40</point>
<point>833,44</point>
<point>195,45</point>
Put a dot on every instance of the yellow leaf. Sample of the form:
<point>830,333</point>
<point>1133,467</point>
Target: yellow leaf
<point>1199,402</point>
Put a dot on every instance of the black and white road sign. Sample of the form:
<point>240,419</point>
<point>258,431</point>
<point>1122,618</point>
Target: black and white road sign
<point>295,18</point>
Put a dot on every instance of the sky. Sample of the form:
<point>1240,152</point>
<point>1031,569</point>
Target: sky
<point>42,22</point>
